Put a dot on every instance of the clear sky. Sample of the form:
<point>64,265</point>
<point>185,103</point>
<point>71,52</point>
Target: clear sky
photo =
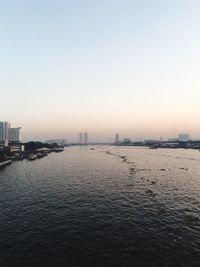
<point>107,66</point>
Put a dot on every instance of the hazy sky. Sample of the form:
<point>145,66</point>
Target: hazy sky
<point>104,66</point>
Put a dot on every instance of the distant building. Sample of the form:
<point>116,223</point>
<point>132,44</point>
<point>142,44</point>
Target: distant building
<point>85,138</point>
<point>173,139</point>
<point>183,137</point>
<point>138,139</point>
<point>8,134</point>
<point>4,126</point>
<point>59,142</point>
<point>80,138</point>
<point>15,135</point>
<point>117,139</point>
<point>126,141</point>
<point>150,142</point>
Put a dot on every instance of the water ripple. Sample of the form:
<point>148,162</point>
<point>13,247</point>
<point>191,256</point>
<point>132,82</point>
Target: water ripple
<point>125,207</point>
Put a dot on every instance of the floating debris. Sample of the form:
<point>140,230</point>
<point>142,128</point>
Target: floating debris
<point>132,169</point>
<point>150,192</point>
<point>122,157</point>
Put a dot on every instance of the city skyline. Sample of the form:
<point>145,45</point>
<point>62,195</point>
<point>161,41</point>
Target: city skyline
<point>10,134</point>
<point>108,66</point>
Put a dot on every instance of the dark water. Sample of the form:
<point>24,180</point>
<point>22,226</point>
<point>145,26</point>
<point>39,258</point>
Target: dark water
<point>91,208</point>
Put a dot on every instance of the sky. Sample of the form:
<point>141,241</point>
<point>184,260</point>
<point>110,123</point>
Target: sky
<point>111,66</point>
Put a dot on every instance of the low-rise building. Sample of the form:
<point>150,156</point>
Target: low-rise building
<point>183,137</point>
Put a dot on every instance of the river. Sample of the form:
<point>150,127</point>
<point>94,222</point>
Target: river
<point>112,206</point>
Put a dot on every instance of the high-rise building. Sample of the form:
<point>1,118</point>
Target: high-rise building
<point>8,134</point>
<point>117,139</point>
<point>80,138</point>
<point>4,127</point>
<point>15,135</point>
<point>85,138</point>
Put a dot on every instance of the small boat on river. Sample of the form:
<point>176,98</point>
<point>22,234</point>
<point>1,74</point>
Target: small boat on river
<point>32,157</point>
<point>4,163</point>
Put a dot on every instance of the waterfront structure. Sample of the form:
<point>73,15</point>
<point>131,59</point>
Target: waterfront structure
<point>183,137</point>
<point>173,139</point>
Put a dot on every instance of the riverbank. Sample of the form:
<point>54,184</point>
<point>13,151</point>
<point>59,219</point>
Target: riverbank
<point>163,144</point>
<point>30,151</point>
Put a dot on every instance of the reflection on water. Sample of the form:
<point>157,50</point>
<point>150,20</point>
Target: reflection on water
<point>112,206</point>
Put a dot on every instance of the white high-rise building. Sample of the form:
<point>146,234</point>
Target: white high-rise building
<point>8,134</point>
<point>85,138</point>
<point>4,128</point>
<point>80,138</point>
<point>15,135</point>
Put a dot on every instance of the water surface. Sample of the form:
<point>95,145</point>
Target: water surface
<point>124,207</point>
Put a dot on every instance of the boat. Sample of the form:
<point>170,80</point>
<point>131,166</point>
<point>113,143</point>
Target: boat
<point>32,157</point>
<point>58,149</point>
<point>40,155</point>
<point>153,147</point>
<point>4,163</point>
<point>92,148</point>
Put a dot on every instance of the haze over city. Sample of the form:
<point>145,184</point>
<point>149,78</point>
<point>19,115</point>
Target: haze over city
<point>100,66</point>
